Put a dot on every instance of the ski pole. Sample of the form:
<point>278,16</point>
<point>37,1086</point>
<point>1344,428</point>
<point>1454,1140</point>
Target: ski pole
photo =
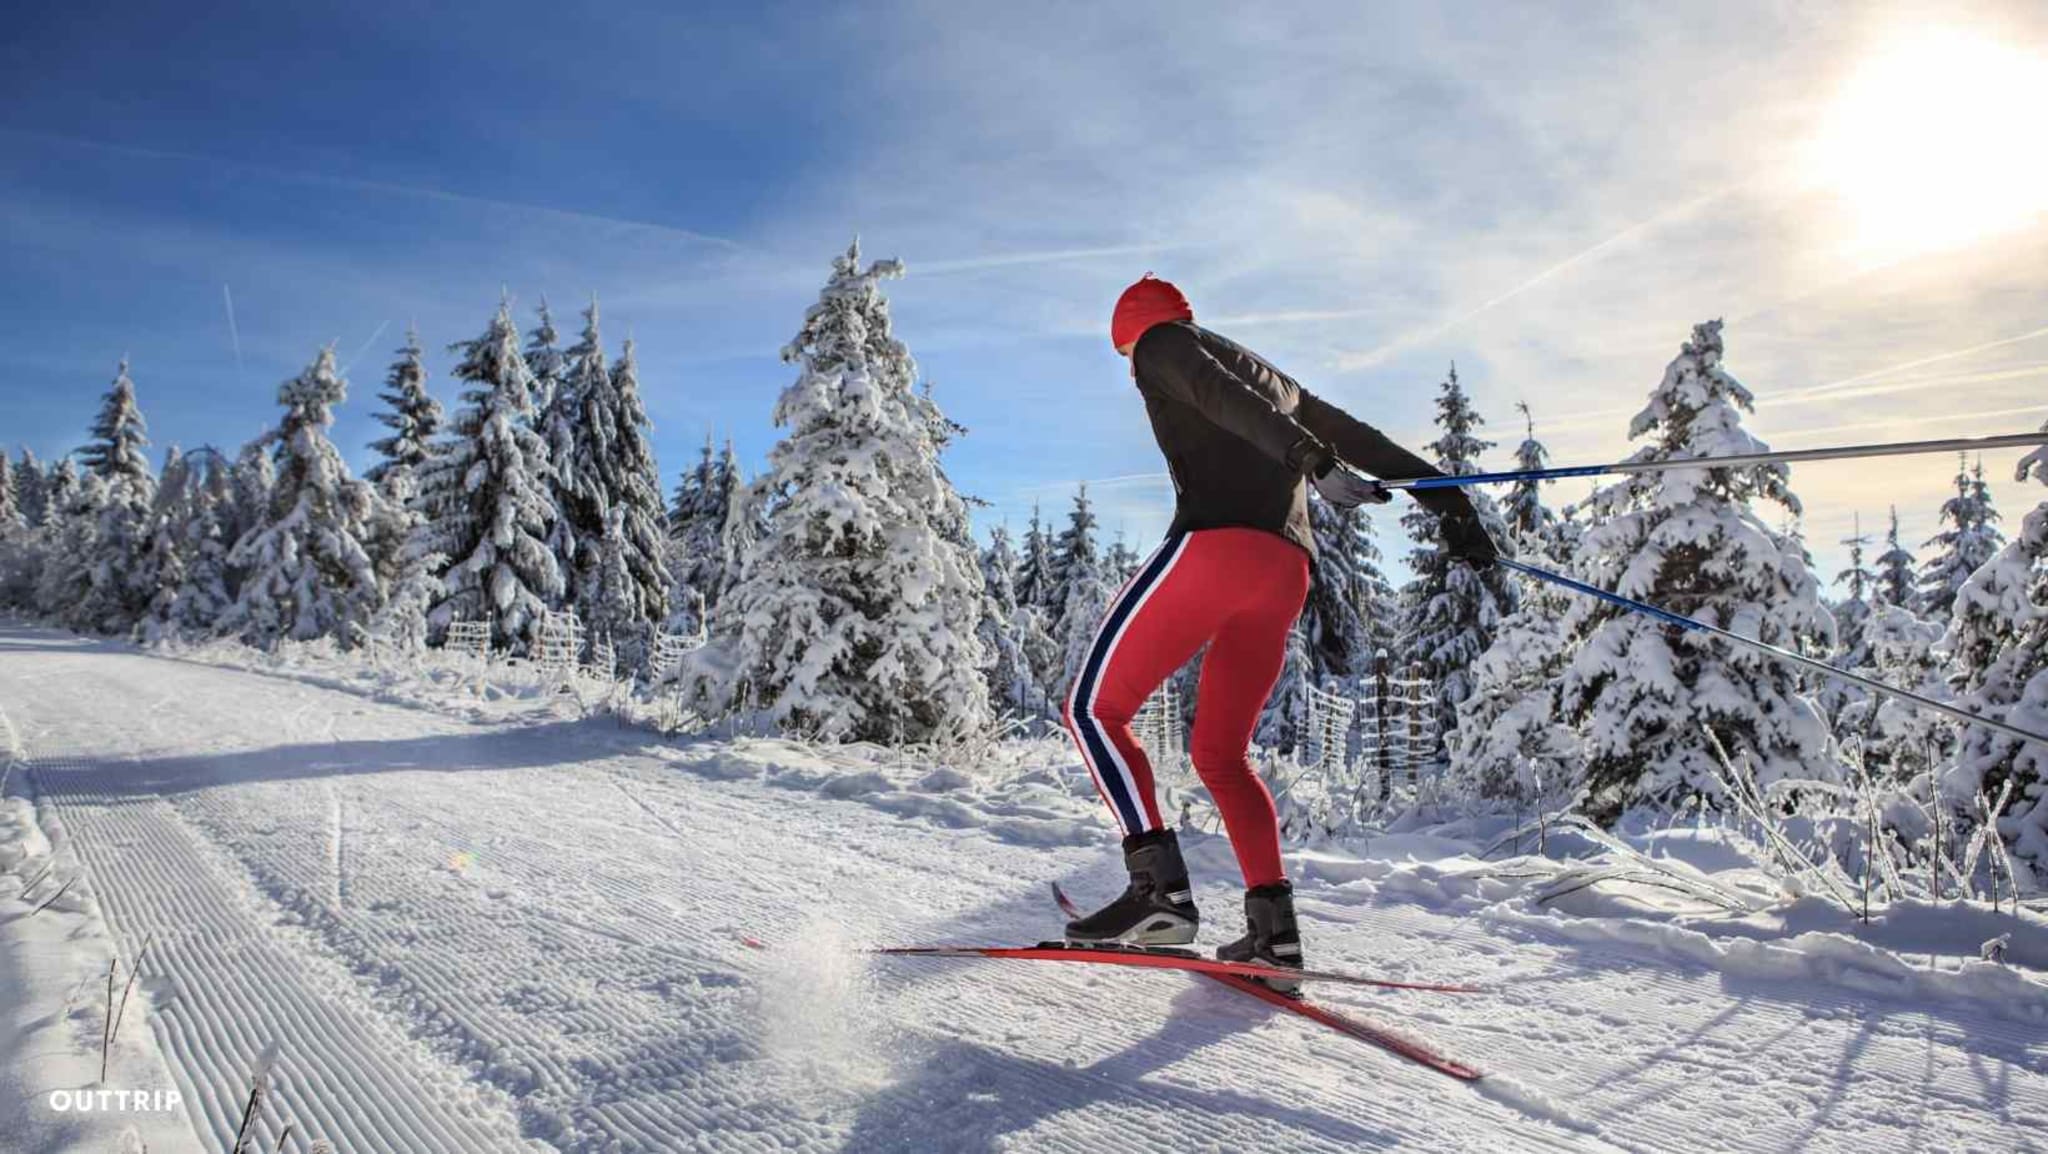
<point>1766,648</point>
<point>1895,449</point>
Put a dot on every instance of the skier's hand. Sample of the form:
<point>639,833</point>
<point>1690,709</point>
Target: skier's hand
<point>1347,490</point>
<point>1333,481</point>
<point>1465,539</point>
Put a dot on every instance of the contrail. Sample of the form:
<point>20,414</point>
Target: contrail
<point>1826,389</point>
<point>365,347</point>
<point>1054,256</point>
<point>374,186</point>
<point>234,335</point>
<point>1354,361</point>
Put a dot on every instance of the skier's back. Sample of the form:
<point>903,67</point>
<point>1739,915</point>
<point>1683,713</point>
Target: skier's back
<point>1241,438</point>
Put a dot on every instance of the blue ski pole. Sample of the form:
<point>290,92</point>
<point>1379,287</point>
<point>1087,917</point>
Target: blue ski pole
<point>1696,626</point>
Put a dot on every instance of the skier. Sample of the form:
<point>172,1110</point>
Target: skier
<point>1240,439</point>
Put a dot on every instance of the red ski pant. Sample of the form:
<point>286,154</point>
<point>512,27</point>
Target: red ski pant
<point>1237,590</point>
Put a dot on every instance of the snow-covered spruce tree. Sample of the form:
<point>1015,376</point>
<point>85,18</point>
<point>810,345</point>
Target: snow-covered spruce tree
<point>413,417</point>
<point>1074,553</point>
<point>1690,541</point>
<point>204,593</point>
<point>614,462</point>
<point>1512,742</point>
<point>1088,591</point>
<point>576,534</point>
<point>161,568</point>
<point>1899,741</point>
<point>1280,723</point>
<point>1034,568</point>
<point>70,552</point>
<point>1004,630</point>
<point>1333,635</point>
<point>306,571</point>
<point>20,546</point>
<point>1852,613</point>
<point>1450,612</point>
<point>545,360</point>
<point>1379,604</point>
<point>696,526</point>
<point>485,499</point>
<point>1528,519</point>
<point>1997,640</point>
<point>12,520</point>
<point>1080,588</point>
<point>855,617</point>
<point>1967,540</point>
<point>31,489</point>
<point>1895,584</point>
<point>117,455</point>
<point>1120,562</point>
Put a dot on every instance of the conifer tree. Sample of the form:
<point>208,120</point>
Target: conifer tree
<point>1899,741</point>
<point>307,572</point>
<point>1690,541</point>
<point>117,455</point>
<point>1511,741</point>
<point>692,486</point>
<point>1997,642</point>
<point>1006,630</point>
<point>1967,540</point>
<point>614,468</point>
<point>12,522</point>
<point>1073,550</point>
<point>64,584</point>
<point>117,452</point>
<point>31,489</point>
<point>1895,585</point>
<point>545,360</point>
<point>1528,518</point>
<point>1079,587</point>
<point>1034,567</point>
<point>855,618</point>
<point>1334,637</point>
<point>203,596</point>
<point>1851,614</point>
<point>484,494</point>
<point>1449,611</point>
<point>413,417</point>
<point>1120,562</point>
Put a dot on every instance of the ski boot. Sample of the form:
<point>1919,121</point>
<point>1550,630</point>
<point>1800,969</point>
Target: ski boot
<point>1156,909</point>
<point>1271,937</point>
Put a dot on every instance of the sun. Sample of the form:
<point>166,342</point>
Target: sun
<point>1935,142</point>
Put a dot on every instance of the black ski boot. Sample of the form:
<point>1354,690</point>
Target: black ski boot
<point>1156,909</point>
<point>1271,937</point>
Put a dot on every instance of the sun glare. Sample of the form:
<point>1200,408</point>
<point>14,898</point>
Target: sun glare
<point>1936,142</point>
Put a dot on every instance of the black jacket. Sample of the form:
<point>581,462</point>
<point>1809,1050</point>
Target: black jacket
<point>1235,431</point>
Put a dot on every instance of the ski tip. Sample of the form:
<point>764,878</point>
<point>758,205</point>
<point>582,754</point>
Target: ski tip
<point>752,942</point>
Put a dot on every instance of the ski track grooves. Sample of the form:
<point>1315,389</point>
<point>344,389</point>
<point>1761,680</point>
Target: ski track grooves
<point>463,934</point>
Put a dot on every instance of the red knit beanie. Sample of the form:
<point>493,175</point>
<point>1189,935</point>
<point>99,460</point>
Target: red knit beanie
<point>1149,302</point>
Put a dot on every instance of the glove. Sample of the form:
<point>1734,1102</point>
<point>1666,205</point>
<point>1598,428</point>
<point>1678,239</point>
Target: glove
<point>1465,540</point>
<point>1335,483</point>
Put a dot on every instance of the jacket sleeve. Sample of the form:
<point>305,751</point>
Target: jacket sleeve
<point>1171,362</point>
<point>1370,451</point>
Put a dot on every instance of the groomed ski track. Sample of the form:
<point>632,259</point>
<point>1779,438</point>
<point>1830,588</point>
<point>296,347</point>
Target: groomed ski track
<point>470,936</point>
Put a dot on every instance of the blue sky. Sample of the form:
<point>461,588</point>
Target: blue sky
<point>1548,195</point>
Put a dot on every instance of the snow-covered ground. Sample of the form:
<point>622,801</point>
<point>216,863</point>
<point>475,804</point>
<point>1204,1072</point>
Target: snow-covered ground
<point>494,926</point>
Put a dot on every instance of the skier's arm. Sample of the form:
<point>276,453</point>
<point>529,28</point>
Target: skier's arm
<point>1371,451</point>
<point>1171,362</point>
